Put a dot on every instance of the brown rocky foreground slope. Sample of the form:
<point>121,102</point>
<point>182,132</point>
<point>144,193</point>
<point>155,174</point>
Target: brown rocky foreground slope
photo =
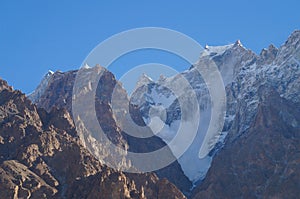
<point>41,157</point>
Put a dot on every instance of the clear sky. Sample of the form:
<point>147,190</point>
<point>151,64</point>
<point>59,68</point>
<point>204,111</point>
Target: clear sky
<point>39,35</point>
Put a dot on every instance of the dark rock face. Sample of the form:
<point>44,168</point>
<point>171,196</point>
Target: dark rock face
<point>41,157</point>
<point>264,161</point>
<point>244,72</point>
<point>259,159</point>
<point>61,95</point>
<point>4,86</point>
<point>58,94</point>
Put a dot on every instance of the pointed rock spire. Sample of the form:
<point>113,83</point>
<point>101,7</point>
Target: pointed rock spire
<point>86,66</point>
<point>143,80</point>
<point>238,43</point>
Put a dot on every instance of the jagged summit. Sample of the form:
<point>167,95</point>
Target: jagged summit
<point>4,85</point>
<point>238,43</point>
<point>267,55</point>
<point>293,40</point>
<point>143,80</point>
<point>36,94</point>
<point>294,35</point>
<point>52,76</point>
<point>50,72</point>
<point>86,66</point>
<point>215,50</point>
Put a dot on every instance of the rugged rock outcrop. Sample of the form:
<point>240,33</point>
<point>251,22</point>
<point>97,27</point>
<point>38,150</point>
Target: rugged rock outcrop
<point>42,157</point>
<point>243,73</point>
<point>58,93</point>
<point>264,161</point>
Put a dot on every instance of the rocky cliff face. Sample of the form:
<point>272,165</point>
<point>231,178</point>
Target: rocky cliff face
<point>157,96</point>
<point>58,93</point>
<point>260,158</point>
<point>264,161</point>
<point>42,157</point>
<point>243,73</point>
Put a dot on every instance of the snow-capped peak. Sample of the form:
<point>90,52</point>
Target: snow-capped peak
<point>38,92</point>
<point>216,50</point>
<point>48,74</point>
<point>238,43</point>
<point>143,80</point>
<point>86,66</point>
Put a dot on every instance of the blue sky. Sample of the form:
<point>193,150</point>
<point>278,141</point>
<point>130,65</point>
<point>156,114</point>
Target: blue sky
<point>39,35</point>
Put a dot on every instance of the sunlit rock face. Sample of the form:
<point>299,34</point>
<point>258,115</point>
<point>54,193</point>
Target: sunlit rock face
<point>42,157</point>
<point>112,117</point>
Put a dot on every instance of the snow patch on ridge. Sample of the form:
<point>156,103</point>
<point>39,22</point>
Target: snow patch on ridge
<point>217,50</point>
<point>39,91</point>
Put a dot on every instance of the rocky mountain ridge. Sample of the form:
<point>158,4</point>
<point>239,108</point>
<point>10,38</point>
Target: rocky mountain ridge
<point>258,87</point>
<point>243,72</point>
<point>58,93</point>
<point>42,157</point>
<point>264,161</point>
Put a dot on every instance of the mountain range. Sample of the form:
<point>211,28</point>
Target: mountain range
<point>257,154</point>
